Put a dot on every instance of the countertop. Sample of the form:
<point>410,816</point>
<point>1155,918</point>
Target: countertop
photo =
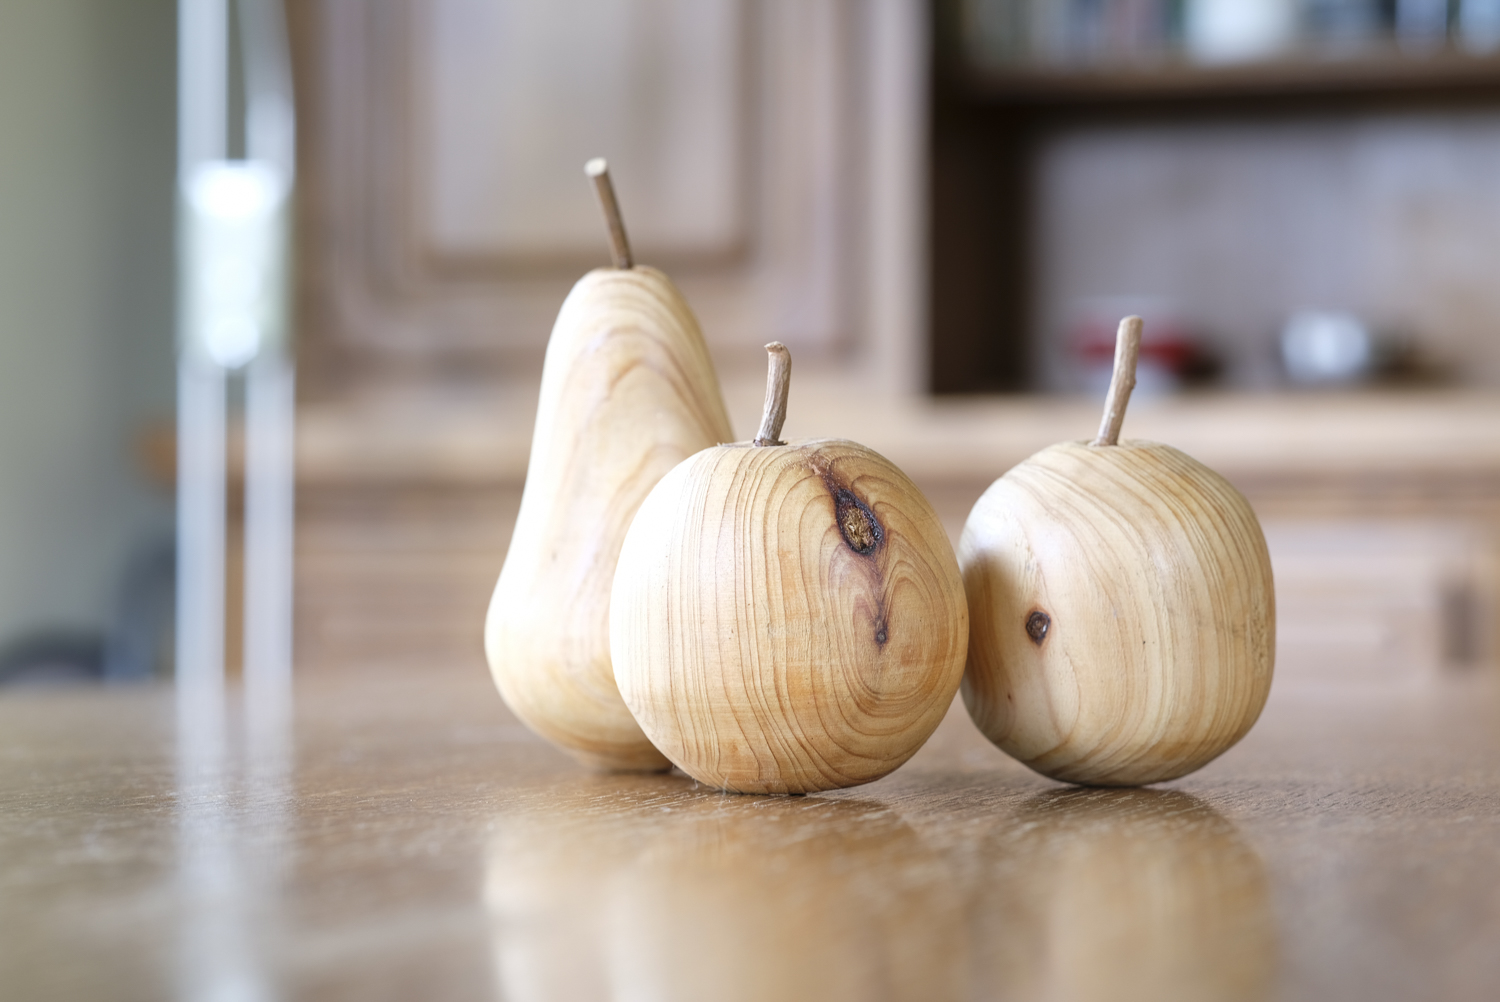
<point>407,839</point>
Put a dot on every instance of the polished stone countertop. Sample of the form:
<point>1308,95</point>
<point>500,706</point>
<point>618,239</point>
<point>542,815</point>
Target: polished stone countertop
<point>407,839</point>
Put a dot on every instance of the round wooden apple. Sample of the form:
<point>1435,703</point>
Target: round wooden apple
<point>787,617</point>
<point>1123,621</point>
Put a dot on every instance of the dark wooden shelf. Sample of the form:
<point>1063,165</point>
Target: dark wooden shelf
<point>988,124</point>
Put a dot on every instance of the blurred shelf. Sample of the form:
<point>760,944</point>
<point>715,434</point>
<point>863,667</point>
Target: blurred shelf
<point>1378,75</point>
<point>990,120</point>
<point>1427,440</point>
<point>1366,451</point>
<point>406,504</point>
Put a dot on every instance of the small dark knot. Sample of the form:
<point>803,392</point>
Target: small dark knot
<point>857,522</point>
<point>1037,625</point>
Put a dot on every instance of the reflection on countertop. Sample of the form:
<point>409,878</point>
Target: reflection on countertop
<point>632,888</point>
<point>640,887</point>
<point>414,841</point>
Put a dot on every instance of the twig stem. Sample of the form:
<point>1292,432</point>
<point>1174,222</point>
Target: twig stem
<point>619,245</point>
<point>778,382</point>
<point>1127,351</point>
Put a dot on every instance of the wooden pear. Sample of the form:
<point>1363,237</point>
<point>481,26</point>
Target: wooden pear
<point>787,617</point>
<point>1123,621</point>
<point>628,391</point>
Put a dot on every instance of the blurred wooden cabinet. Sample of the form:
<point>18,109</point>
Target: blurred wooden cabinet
<point>756,144</point>
<point>770,154</point>
<point>1382,512</point>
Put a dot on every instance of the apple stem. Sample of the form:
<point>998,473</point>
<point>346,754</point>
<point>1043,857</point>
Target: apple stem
<point>1127,351</point>
<point>619,245</point>
<point>778,382</point>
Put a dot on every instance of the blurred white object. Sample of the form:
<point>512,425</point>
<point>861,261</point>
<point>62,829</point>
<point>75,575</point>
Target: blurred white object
<point>1228,31</point>
<point>1327,347</point>
<point>270,490</point>
<point>202,95</point>
<point>270,149</point>
<point>1479,25</point>
<point>233,292</point>
<point>234,259</point>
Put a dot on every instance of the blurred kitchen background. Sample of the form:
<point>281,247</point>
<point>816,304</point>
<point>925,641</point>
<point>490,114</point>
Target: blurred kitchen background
<point>943,208</point>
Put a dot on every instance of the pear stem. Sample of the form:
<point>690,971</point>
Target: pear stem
<point>1127,351</point>
<point>619,244</point>
<point>778,383</point>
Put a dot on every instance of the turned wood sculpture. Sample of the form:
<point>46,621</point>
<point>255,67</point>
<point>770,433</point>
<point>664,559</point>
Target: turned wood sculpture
<point>1123,618</point>
<point>787,617</point>
<point>628,392</point>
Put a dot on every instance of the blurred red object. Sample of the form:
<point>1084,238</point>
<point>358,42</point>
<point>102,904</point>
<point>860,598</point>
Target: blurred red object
<point>1166,344</point>
<point>1172,355</point>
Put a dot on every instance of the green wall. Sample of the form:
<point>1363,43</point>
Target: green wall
<point>87,110</point>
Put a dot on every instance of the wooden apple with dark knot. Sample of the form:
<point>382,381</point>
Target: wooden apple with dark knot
<point>787,617</point>
<point>1124,620</point>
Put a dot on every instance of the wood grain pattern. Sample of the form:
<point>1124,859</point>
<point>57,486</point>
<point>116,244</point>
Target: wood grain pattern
<point>1123,617</point>
<point>787,618</point>
<point>628,392</point>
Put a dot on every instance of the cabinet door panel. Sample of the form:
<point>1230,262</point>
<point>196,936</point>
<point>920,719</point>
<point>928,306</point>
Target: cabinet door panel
<point>446,213</point>
<point>512,96</point>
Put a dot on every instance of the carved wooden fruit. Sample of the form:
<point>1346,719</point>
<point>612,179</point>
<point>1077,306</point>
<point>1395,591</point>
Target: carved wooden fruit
<point>1123,616</point>
<point>787,617</point>
<point>628,392</point>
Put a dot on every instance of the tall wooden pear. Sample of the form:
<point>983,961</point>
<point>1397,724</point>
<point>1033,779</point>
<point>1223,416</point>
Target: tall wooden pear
<point>628,391</point>
<point>1122,616</point>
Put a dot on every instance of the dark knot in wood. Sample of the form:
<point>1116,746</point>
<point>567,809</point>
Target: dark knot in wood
<point>1037,625</point>
<point>857,522</point>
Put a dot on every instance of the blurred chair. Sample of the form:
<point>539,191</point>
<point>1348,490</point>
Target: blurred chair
<point>51,656</point>
<point>136,647</point>
<point>139,645</point>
